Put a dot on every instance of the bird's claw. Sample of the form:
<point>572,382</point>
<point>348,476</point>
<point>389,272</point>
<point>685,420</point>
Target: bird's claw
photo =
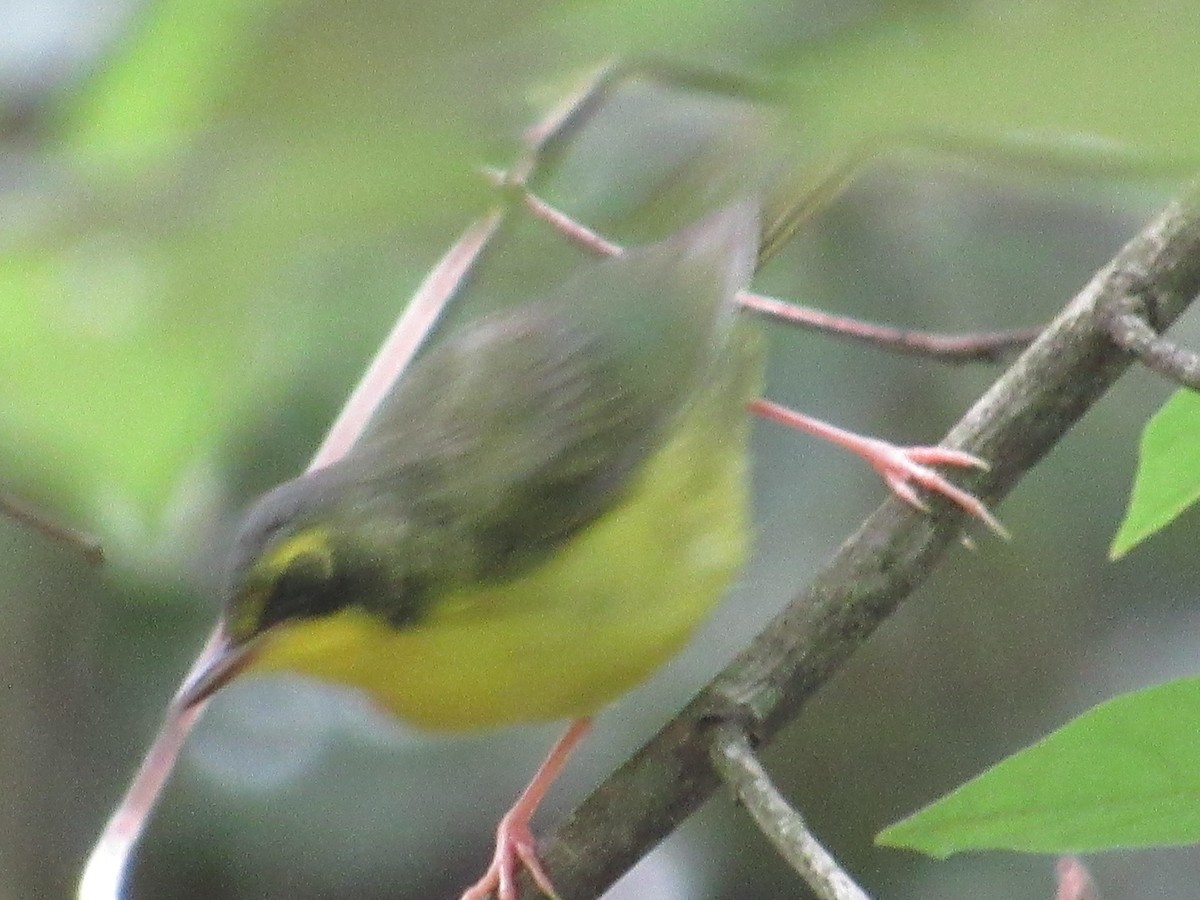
<point>904,469</point>
<point>515,848</point>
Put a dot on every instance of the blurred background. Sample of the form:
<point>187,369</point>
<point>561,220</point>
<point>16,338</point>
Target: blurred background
<point>211,211</point>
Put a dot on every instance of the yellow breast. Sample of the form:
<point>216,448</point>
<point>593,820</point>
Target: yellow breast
<point>577,630</point>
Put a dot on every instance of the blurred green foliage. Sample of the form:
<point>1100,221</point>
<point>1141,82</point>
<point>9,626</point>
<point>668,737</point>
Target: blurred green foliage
<point>233,158</point>
<point>204,240</point>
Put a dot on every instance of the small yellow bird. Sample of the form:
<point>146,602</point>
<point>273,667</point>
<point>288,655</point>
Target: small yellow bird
<point>542,512</point>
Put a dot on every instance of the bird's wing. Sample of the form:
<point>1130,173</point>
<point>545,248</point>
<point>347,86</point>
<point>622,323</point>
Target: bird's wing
<point>527,425</point>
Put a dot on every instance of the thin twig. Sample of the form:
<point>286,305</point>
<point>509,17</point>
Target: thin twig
<point>37,520</point>
<point>983,346</point>
<point>1074,880</point>
<point>546,140</point>
<point>107,865</point>
<point>989,346</point>
<point>1017,422</point>
<point>816,195</point>
<point>741,770</point>
<point>1132,331</point>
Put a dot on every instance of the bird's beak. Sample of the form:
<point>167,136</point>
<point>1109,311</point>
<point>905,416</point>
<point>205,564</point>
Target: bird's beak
<point>217,666</point>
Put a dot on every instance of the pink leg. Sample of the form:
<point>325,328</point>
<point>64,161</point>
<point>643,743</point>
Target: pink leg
<point>515,845</point>
<point>903,469</point>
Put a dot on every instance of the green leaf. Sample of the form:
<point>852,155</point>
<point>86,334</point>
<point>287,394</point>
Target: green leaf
<point>1168,475</point>
<point>1125,774</point>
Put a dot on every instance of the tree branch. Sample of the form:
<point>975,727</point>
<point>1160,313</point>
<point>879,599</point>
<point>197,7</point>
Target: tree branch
<point>1133,331</point>
<point>1024,414</point>
<point>982,346</point>
<point>741,770</point>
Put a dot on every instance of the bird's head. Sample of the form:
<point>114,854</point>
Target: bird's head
<point>297,557</point>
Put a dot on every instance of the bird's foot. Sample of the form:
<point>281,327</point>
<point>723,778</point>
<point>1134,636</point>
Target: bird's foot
<point>515,848</point>
<point>904,469</point>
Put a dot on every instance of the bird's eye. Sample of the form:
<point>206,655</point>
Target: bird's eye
<point>291,579</point>
<point>304,571</point>
<point>302,589</point>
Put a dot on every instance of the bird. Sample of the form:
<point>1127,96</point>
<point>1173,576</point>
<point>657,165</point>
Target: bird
<point>543,510</point>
